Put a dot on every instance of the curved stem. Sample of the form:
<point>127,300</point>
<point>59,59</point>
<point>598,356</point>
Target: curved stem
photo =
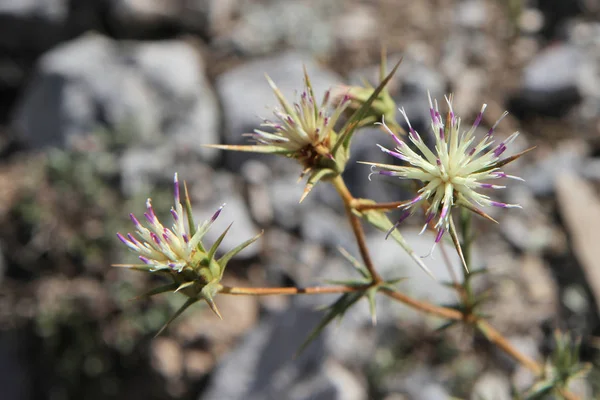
<point>425,307</point>
<point>355,222</point>
<point>496,337</point>
<point>267,291</point>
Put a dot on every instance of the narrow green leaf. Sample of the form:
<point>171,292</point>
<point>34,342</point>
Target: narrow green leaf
<point>337,309</point>
<point>189,214</point>
<point>185,305</point>
<point>315,177</point>
<point>379,220</point>
<point>216,244</point>
<point>457,246</point>
<point>140,267</point>
<point>350,126</point>
<point>357,264</point>
<point>249,148</point>
<point>372,309</point>
<point>445,326</point>
<point>227,256</point>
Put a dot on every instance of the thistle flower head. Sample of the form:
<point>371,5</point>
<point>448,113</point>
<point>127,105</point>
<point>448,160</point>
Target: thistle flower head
<point>453,172</point>
<point>179,252</point>
<point>304,129</point>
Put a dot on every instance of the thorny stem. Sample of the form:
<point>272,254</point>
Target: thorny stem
<point>262,291</point>
<point>359,233</point>
<point>495,337</point>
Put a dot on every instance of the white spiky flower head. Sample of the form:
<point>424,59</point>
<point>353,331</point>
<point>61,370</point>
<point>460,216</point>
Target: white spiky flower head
<point>453,172</point>
<point>179,252</point>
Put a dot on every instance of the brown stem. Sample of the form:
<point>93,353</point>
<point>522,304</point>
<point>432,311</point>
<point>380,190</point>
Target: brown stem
<point>263,291</point>
<point>359,233</point>
<point>425,307</point>
<point>496,337</point>
<point>350,204</point>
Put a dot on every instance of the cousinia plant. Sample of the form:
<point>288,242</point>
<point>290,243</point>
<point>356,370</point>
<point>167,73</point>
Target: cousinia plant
<point>452,177</point>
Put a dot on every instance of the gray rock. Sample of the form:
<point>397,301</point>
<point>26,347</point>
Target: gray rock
<point>550,82</point>
<point>148,95</point>
<point>419,385</point>
<point>152,18</point>
<point>541,176</point>
<point>471,14</point>
<point>323,225</point>
<point>304,25</point>
<point>492,386</point>
<point>226,190</point>
<point>245,95</point>
<point>263,365</point>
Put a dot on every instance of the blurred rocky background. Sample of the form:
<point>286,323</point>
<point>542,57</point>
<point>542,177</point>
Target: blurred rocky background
<point>102,101</point>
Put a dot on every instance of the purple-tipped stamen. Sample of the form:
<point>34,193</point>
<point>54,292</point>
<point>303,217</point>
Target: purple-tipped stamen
<point>185,238</point>
<point>174,214</point>
<point>479,117</point>
<point>499,204</point>
<point>122,239</point>
<point>404,215</point>
<point>134,220</point>
<point>387,173</point>
<point>216,214</point>
<point>145,260</point>
<point>442,136</point>
<point>176,184</point>
<point>155,237</point>
<point>490,186</point>
<point>439,235</point>
<point>393,153</point>
<point>499,150</point>
<point>133,240</point>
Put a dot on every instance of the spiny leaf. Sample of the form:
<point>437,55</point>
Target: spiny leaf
<point>540,390</point>
<point>476,210</point>
<point>350,126</point>
<point>140,267</point>
<point>501,163</point>
<point>357,264</point>
<point>348,282</point>
<point>170,287</point>
<point>315,177</point>
<point>250,148</point>
<point>379,220</point>
<point>190,215</point>
<point>184,285</point>
<point>185,305</point>
<point>457,246</point>
<point>445,326</point>
<point>209,291</point>
<point>337,309</point>
<point>280,97</point>
<point>311,94</point>
<point>217,243</point>
<point>227,256</point>
<point>371,297</point>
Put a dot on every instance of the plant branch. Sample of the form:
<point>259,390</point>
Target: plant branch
<point>359,233</point>
<point>266,291</point>
<point>496,338</point>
